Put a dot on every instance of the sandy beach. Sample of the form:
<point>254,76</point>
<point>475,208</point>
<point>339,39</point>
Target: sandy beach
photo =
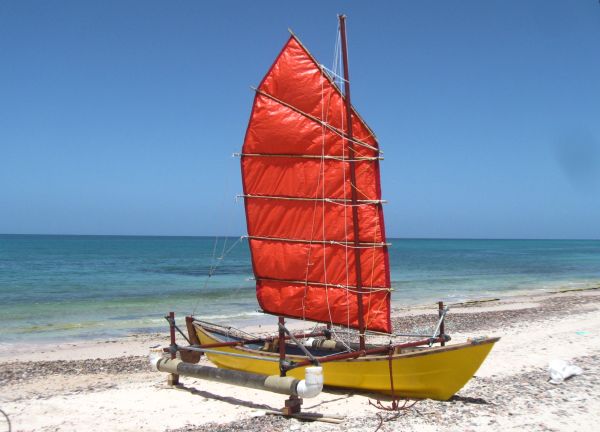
<point>108,385</point>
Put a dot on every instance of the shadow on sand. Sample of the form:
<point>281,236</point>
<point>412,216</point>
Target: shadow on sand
<point>230,400</point>
<point>468,400</point>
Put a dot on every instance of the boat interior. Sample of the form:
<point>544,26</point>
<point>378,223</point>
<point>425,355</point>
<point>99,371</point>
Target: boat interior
<point>318,346</point>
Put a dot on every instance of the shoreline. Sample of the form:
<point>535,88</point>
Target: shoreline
<point>97,385</point>
<point>260,321</point>
<point>140,340</point>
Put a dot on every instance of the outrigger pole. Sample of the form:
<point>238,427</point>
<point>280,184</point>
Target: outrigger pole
<point>355,221</point>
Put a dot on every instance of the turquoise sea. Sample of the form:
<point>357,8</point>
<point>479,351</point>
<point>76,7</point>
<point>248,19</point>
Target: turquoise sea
<point>72,287</point>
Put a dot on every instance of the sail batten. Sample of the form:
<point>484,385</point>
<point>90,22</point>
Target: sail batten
<point>324,241</point>
<point>348,287</point>
<point>340,158</point>
<point>332,200</point>
<point>329,126</point>
<point>302,206</point>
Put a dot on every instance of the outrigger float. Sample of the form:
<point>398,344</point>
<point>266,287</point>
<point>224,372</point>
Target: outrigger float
<point>314,213</point>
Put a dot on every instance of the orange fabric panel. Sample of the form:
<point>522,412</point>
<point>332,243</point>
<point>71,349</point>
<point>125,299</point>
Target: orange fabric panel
<point>277,128</point>
<point>296,79</point>
<point>311,220</point>
<point>332,264</point>
<point>296,177</point>
<point>329,304</point>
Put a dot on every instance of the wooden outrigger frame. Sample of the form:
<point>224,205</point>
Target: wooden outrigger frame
<point>192,353</point>
<point>195,349</point>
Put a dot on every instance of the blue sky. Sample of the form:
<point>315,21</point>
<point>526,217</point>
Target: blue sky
<point>121,117</point>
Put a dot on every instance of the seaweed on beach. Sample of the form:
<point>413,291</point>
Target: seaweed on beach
<point>17,372</point>
<point>493,320</point>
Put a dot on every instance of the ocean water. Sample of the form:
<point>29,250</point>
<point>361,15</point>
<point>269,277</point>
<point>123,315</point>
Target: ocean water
<point>73,287</point>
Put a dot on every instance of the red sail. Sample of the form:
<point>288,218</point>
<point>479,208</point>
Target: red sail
<point>295,172</point>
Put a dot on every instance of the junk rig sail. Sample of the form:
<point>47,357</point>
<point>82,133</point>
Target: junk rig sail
<point>313,200</point>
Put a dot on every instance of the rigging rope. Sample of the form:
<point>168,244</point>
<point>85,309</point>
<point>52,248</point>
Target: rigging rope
<point>323,195</point>
<point>213,267</point>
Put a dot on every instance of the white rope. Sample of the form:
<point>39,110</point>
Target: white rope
<point>308,263</point>
<point>214,254</point>
<point>312,230</point>
<point>332,74</point>
<point>335,70</point>
<point>338,67</point>
<point>214,265</point>
<point>223,250</point>
<point>323,195</point>
<point>367,322</point>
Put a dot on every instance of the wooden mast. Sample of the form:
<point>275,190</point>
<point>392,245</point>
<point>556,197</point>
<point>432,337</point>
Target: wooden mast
<point>357,266</point>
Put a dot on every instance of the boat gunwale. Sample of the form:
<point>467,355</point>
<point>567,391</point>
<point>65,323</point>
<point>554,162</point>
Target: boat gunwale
<point>374,357</point>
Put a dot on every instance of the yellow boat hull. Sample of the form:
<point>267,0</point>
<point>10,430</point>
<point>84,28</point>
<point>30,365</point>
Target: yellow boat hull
<point>434,373</point>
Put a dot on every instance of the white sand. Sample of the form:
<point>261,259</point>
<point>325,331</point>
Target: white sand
<point>143,401</point>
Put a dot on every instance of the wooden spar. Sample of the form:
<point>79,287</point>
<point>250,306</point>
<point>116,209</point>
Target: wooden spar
<point>355,221</point>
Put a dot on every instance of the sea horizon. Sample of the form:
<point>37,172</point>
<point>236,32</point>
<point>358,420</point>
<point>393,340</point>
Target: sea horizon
<point>244,235</point>
<point>73,286</point>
